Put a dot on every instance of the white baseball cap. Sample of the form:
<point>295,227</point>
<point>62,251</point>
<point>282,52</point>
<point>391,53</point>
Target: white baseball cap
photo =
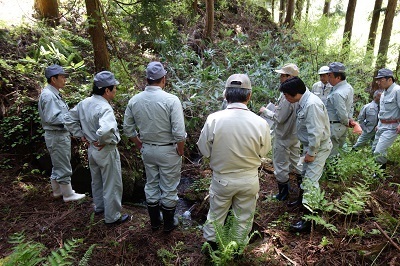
<point>324,70</point>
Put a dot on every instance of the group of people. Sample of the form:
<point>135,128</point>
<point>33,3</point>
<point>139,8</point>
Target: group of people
<point>156,114</point>
<point>235,139</point>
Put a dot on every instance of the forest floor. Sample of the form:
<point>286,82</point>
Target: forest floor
<point>27,206</point>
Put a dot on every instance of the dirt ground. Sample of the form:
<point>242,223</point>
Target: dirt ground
<point>27,206</point>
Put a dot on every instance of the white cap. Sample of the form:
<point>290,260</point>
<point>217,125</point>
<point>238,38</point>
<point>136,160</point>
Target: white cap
<point>323,70</point>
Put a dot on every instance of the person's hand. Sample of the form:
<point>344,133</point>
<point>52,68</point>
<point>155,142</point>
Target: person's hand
<point>262,109</point>
<point>308,158</point>
<point>352,123</point>
<point>398,129</point>
<point>138,142</point>
<point>98,145</point>
<point>180,153</point>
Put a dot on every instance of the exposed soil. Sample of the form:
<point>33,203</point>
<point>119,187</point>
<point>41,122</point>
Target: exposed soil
<point>27,206</point>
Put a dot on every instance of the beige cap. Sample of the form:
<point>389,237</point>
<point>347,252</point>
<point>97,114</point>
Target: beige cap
<point>238,81</point>
<point>289,69</point>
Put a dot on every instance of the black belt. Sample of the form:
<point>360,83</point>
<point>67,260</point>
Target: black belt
<point>334,122</point>
<point>167,144</point>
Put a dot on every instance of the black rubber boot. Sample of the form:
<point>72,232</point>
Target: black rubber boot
<point>170,222</point>
<point>298,201</point>
<point>299,179</point>
<point>302,225</point>
<point>154,213</point>
<point>283,189</point>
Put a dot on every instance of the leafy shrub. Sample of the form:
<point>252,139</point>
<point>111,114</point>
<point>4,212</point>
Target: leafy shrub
<point>355,165</point>
<point>21,129</point>
<point>394,152</point>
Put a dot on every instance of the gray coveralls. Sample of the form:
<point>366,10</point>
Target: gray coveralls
<point>389,119</point>
<point>159,117</point>
<point>58,140</point>
<point>286,145</point>
<point>314,133</point>
<point>321,90</point>
<point>94,119</point>
<point>339,106</point>
<point>368,119</point>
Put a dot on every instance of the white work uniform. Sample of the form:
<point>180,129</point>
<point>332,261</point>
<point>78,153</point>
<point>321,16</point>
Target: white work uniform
<point>58,140</point>
<point>235,139</point>
<point>94,119</point>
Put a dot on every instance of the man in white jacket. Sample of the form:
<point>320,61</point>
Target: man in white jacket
<point>235,139</point>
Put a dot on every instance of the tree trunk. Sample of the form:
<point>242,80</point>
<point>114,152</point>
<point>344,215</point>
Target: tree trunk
<point>351,8</point>
<point>299,9</point>
<point>47,10</point>
<point>386,32</point>
<point>327,6</point>
<point>272,10</point>
<point>208,30</point>
<point>307,8</point>
<point>195,8</point>
<point>96,32</point>
<point>374,26</point>
<point>396,75</point>
<point>282,10</point>
<point>289,13</point>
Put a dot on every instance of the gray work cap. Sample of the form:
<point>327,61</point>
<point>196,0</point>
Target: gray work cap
<point>155,70</point>
<point>337,67</point>
<point>54,70</point>
<point>105,79</point>
<point>384,72</point>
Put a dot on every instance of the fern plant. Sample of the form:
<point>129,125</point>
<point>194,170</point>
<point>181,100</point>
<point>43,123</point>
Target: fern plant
<point>353,201</point>
<point>351,166</point>
<point>24,253</point>
<point>86,257</point>
<point>316,203</point>
<point>29,253</point>
<point>231,239</point>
